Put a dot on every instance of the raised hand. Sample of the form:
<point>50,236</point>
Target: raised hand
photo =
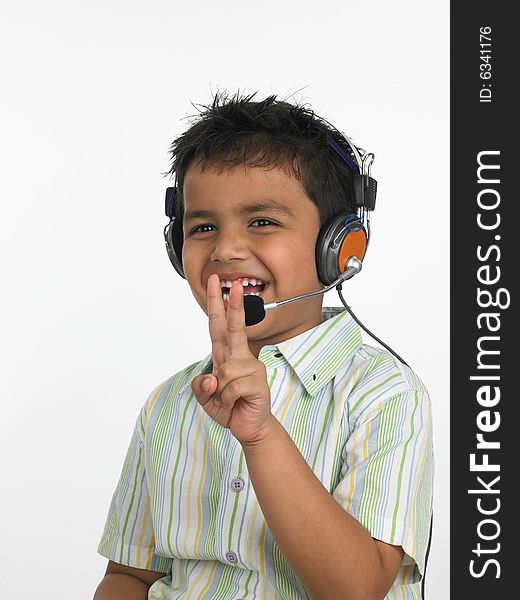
<point>237,394</point>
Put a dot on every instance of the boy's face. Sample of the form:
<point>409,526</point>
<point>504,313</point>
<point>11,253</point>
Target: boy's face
<point>235,239</point>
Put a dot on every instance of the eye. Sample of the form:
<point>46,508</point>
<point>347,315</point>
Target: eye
<point>199,230</point>
<point>202,228</point>
<point>267,221</point>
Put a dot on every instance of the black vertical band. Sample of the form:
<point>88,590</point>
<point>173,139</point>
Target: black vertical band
<point>484,368</point>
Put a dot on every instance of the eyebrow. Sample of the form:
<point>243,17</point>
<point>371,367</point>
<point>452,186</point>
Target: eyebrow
<point>250,208</point>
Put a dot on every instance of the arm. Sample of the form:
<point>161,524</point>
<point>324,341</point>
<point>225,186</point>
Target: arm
<point>332,554</point>
<point>128,535</point>
<point>125,583</point>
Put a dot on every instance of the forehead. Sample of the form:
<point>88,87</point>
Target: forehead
<point>243,189</point>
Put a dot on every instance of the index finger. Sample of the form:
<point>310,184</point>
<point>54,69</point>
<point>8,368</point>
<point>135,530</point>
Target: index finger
<point>236,322</point>
<point>217,321</point>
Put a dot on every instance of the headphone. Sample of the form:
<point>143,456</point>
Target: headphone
<point>342,236</point>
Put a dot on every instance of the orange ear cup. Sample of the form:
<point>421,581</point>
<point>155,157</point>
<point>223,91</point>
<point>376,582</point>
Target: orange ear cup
<point>355,244</point>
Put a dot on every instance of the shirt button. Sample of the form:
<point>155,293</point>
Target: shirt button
<point>231,557</point>
<point>278,355</point>
<point>237,484</point>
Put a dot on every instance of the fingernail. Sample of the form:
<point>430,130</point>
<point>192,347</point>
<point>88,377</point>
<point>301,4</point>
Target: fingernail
<point>206,384</point>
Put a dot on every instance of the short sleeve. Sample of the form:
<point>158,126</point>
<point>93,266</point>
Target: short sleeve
<point>387,474</point>
<point>128,536</point>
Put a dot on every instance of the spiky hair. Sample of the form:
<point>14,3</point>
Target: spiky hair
<point>270,133</point>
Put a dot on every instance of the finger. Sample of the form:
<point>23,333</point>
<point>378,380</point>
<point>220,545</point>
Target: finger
<point>236,323</point>
<point>235,368</point>
<point>232,392</point>
<point>242,387</point>
<point>202,394</point>
<point>217,321</point>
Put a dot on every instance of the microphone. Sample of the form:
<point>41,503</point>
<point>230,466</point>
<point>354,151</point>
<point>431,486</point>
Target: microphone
<point>255,308</point>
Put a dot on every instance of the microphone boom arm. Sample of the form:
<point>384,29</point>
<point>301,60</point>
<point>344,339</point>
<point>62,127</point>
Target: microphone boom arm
<point>353,266</point>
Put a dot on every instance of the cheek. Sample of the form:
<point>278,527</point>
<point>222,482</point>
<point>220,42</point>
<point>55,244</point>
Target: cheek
<point>193,265</point>
<point>192,261</point>
<point>296,262</point>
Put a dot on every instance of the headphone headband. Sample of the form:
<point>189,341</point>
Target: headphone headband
<point>365,186</point>
<point>170,196</point>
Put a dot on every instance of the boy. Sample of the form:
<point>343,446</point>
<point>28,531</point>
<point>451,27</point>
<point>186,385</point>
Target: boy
<point>294,461</point>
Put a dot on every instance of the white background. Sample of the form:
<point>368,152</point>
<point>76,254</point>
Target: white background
<point>93,316</point>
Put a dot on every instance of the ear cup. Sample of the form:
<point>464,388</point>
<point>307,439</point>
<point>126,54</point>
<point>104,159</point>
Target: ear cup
<point>174,238</point>
<point>341,237</point>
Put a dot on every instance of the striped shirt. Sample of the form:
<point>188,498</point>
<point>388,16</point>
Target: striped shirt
<point>184,504</point>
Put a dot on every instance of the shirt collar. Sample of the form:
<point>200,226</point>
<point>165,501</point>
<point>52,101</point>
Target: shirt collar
<point>316,354</point>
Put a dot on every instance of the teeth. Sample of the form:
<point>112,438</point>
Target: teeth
<point>246,281</point>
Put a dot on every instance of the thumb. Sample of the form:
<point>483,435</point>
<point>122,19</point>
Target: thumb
<point>204,386</point>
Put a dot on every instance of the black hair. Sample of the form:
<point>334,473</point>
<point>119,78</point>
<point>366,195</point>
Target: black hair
<point>267,133</point>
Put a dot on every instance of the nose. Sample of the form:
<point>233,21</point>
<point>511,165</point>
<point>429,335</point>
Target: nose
<point>229,245</point>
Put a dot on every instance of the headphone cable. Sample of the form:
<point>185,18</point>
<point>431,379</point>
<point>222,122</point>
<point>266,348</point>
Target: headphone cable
<point>338,287</point>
